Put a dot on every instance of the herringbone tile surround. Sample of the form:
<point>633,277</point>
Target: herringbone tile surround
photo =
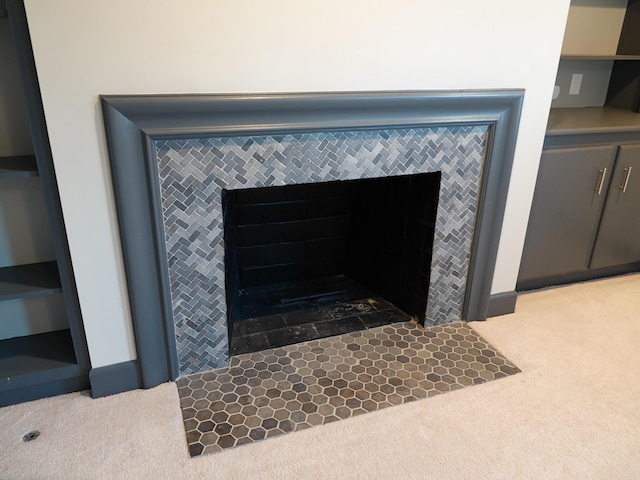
<point>192,174</point>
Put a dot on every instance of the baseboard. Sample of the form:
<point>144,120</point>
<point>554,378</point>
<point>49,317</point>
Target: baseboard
<point>116,378</point>
<point>502,304</point>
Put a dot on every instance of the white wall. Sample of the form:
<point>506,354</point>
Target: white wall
<point>85,48</point>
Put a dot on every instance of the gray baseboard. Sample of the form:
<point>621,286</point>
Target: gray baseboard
<point>117,378</point>
<point>502,304</point>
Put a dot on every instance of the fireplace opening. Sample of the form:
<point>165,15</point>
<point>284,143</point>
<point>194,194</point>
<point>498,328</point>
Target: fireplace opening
<point>308,261</point>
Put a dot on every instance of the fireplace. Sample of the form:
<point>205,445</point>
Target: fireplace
<point>174,158</point>
<point>306,261</point>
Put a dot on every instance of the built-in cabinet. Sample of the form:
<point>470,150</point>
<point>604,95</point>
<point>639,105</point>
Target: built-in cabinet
<point>585,216</point>
<point>569,200</point>
<point>584,219</point>
<point>619,234</point>
<point>42,343</point>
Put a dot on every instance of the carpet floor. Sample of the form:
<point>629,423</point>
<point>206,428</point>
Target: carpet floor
<point>572,413</point>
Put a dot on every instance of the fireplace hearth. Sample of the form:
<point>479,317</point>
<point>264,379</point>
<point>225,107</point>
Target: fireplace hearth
<point>173,156</point>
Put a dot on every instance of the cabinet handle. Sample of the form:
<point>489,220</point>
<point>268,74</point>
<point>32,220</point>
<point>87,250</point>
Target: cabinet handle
<point>603,173</point>
<point>625,182</point>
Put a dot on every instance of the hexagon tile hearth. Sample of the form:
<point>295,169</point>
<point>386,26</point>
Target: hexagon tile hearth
<point>291,388</point>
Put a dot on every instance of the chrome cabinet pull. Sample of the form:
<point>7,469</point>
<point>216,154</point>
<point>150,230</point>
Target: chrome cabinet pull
<point>625,182</point>
<point>603,173</point>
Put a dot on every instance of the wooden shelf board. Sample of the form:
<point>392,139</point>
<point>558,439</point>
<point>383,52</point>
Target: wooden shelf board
<point>601,57</point>
<point>22,166</point>
<point>36,358</point>
<point>564,121</point>
<point>33,280</point>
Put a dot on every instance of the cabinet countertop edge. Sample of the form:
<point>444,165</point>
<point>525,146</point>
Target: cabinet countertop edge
<point>591,120</point>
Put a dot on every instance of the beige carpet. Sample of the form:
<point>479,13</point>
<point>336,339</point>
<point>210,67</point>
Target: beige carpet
<point>573,413</point>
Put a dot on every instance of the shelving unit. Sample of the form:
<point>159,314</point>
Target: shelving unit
<point>584,221</point>
<point>43,349</point>
<point>600,57</point>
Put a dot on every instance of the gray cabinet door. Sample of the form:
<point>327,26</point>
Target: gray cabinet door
<point>618,240</point>
<point>569,198</point>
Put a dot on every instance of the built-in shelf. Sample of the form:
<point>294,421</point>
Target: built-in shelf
<point>568,127</point>
<point>600,57</point>
<point>33,359</point>
<point>55,361</point>
<point>18,166</point>
<point>563,121</point>
<point>25,281</point>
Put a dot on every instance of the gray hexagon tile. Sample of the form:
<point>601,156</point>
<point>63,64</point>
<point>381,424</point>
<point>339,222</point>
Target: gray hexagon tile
<point>277,391</point>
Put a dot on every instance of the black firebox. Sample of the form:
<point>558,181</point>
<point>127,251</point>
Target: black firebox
<point>312,260</point>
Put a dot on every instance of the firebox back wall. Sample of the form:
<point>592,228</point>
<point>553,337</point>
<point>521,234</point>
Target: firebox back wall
<point>378,231</point>
<point>192,174</point>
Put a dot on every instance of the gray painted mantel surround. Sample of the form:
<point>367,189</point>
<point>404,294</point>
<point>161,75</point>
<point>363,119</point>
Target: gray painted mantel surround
<point>144,130</point>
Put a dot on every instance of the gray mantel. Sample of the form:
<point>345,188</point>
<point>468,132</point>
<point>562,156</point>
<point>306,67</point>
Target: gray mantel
<point>134,122</point>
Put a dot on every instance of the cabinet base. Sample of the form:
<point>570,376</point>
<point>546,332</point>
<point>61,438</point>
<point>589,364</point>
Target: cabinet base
<point>577,277</point>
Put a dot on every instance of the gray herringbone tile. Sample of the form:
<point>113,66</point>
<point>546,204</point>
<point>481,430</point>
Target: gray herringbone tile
<point>193,173</point>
